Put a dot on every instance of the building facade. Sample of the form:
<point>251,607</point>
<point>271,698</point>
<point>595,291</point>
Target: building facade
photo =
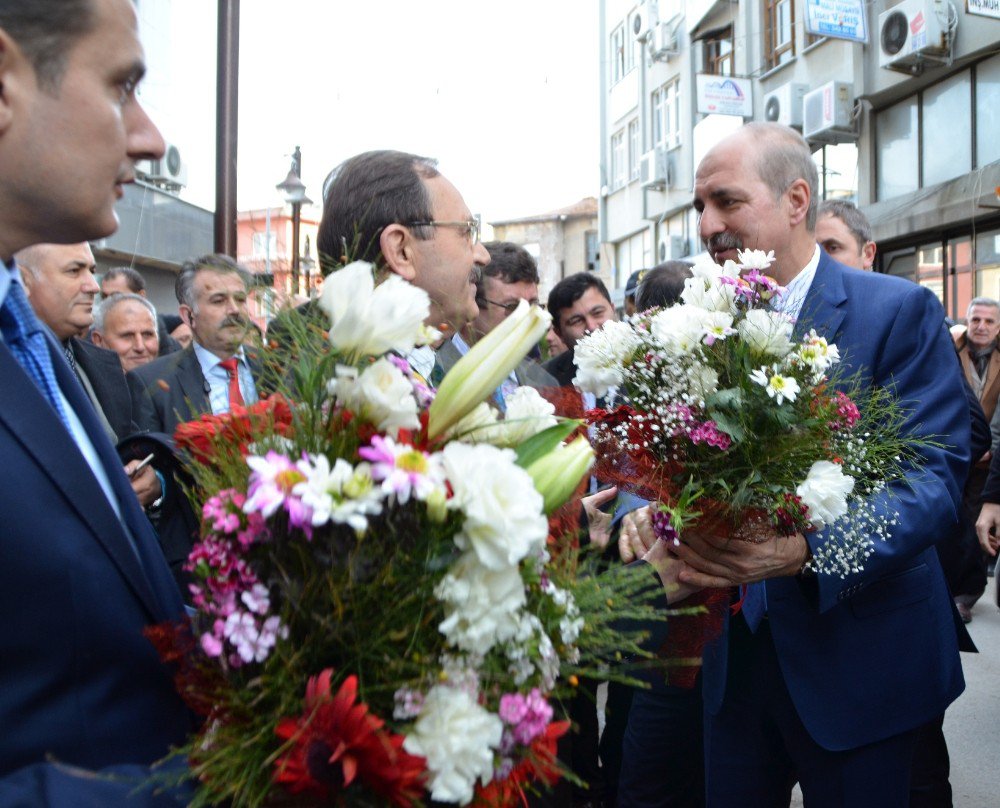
<point>562,241</point>
<point>900,102</point>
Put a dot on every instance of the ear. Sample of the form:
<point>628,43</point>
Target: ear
<point>798,197</point>
<point>187,315</point>
<point>27,280</point>
<point>15,71</point>
<point>868,255</point>
<point>97,339</point>
<point>396,245</point>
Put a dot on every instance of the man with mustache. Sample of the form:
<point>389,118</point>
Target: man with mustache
<point>216,371</point>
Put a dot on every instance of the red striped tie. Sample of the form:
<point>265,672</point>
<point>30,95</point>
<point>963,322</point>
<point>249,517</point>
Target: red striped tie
<point>235,396</point>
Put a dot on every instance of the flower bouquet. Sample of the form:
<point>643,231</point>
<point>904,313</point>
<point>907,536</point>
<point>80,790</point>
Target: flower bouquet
<point>381,615</point>
<point>734,427</point>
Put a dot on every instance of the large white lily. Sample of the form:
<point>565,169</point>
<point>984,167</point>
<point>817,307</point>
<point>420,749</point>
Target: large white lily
<point>477,374</point>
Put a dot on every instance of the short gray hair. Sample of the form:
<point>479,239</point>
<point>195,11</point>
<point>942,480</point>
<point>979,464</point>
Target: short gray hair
<point>783,159</point>
<point>104,308</point>
<point>216,262</point>
<point>853,219</point>
<point>981,301</point>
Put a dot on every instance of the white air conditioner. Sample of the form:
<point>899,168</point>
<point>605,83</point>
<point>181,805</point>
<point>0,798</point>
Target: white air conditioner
<point>658,168</point>
<point>828,113</point>
<point>911,32</point>
<point>644,21</point>
<point>784,105</point>
<point>664,41</point>
<point>170,170</point>
<point>671,248</point>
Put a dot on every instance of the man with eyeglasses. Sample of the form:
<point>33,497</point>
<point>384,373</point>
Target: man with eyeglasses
<point>398,212</point>
<point>510,277</point>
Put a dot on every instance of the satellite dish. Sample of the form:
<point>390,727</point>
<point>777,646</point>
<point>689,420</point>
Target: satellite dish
<point>772,109</point>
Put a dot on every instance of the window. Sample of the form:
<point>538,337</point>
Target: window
<point>717,48</point>
<point>632,44</point>
<point>946,156</point>
<point>918,142</point>
<point>779,31</point>
<point>633,150</point>
<point>618,159</point>
<point>264,245</point>
<point>617,54</point>
<point>592,247</point>
<point>665,108</point>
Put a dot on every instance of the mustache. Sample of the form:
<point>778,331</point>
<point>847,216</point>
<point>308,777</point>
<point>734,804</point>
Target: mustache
<point>720,242</point>
<point>235,320</point>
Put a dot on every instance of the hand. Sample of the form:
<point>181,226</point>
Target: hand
<point>599,522</point>
<point>145,484</point>
<point>636,537</point>
<point>987,526</point>
<point>984,461</point>
<point>720,561</point>
<point>668,566</point>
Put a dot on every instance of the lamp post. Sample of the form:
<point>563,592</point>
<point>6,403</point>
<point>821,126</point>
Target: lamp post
<point>294,191</point>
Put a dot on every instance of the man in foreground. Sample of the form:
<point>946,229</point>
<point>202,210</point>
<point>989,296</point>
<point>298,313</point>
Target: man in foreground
<point>822,680</point>
<point>83,694</point>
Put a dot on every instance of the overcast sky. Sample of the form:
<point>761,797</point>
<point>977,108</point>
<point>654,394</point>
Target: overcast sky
<point>503,92</point>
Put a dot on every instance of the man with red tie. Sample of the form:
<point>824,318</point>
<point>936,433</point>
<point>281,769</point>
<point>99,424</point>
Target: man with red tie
<point>216,371</point>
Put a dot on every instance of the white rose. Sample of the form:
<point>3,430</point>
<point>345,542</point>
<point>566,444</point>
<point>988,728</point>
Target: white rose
<point>825,492</point>
<point>504,520</point>
<point>600,357</point>
<point>370,320</point>
<point>481,605</point>
<point>381,395</point>
<point>458,738</point>
<point>678,329</point>
<point>766,332</point>
<point>527,414</point>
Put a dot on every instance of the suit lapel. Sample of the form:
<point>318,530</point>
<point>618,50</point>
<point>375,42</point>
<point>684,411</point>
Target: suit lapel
<point>190,400</point>
<point>823,308</point>
<point>42,435</point>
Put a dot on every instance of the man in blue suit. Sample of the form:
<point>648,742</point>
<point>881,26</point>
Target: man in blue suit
<point>826,680</point>
<point>85,704</point>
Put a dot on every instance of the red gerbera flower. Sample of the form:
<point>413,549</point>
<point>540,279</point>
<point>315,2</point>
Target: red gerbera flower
<point>540,765</point>
<point>336,740</point>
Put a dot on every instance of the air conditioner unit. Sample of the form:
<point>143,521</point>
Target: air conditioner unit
<point>912,32</point>
<point>828,113</point>
<point>784,105</point>
<point>170,170</point>
<point>658,168</point>
<point>664,41</point>
<point>671,248</point>
<point>644,21</point>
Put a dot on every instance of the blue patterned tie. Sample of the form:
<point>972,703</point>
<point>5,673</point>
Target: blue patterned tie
<point>24,336</point>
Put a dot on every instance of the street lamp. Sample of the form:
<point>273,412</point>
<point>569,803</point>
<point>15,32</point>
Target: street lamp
<point>294,191</point>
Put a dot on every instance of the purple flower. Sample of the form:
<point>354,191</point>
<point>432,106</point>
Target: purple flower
<point>528,716</point>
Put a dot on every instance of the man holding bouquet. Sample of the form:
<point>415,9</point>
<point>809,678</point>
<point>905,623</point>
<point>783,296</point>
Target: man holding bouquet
<point>819,678</point>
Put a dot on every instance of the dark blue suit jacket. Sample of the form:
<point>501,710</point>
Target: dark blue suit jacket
<point>875,654</point>
<point>79,683</point>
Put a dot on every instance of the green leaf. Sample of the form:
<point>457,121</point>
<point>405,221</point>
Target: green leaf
<point>730,398</point>
<point>728,424</point>
<point>539,445</point>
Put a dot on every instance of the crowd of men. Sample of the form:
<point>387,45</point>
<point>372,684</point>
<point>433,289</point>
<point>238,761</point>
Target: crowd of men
<point>838,685</point>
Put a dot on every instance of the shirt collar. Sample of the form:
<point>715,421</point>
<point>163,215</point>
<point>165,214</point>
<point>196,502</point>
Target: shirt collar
<point>460,344</point>
<point>790,302</point>
<point>209,361</point>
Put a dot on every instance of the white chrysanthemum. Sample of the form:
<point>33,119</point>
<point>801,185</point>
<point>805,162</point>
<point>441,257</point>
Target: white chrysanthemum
<point>341,494</point>
<point>825,492</point>
<point>504,520</point>
<point>816,353</point>
<point>600,357</point>
<point>679,329</point>
<point>481,605</point>
<point>527,414</point>
<point>766,332</point>
<point>704,267</point>
<point>755,259</point>
<point>381,395</point>
<point>778,386</point>
<point>717,325</point>
<point>458,738</point>
<point>370,320</point>
<point>710,294</point>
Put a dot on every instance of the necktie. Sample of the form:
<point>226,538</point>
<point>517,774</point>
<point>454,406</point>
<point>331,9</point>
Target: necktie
<point>23,334</point>
<point>754,604</point>
<point>70,357</point>
<point>231,366</point>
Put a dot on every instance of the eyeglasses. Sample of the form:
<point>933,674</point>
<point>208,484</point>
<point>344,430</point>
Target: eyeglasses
<point>471,227</point>
<point>510,308</point>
